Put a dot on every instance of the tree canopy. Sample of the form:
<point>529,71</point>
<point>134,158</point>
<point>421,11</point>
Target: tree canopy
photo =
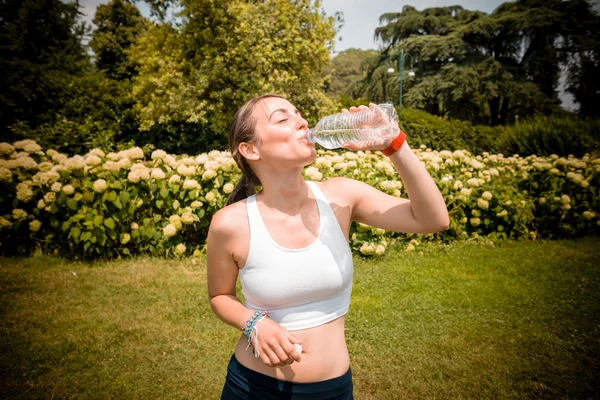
<point>491,68</point>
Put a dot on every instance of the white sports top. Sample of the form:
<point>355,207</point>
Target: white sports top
<point>301,288</point>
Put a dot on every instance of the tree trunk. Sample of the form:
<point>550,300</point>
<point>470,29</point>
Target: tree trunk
<point>494,104</point>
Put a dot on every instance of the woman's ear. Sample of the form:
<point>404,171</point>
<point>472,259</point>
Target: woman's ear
<point>249,151</point>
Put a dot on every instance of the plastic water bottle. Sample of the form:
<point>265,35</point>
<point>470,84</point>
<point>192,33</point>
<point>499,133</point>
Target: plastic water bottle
<point>372,124</point>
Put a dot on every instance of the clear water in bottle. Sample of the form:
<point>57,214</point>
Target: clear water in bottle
<point>372,124</point>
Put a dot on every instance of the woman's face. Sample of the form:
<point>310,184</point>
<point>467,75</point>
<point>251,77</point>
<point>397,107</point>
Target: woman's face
<point>281,131</point>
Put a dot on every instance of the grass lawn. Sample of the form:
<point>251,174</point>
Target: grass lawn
<point>518,320</point>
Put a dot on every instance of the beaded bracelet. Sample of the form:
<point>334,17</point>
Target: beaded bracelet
<point>250,325</point>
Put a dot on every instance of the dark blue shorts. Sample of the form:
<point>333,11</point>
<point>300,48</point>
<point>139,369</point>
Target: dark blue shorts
<point>245,384</point>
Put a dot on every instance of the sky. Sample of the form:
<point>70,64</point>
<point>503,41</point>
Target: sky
<point>361,18</point>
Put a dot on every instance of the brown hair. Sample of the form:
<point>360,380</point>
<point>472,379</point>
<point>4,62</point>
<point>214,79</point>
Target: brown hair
<point>242,130</point>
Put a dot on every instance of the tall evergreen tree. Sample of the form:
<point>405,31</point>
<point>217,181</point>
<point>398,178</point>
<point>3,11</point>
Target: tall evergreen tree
<point>118,24</point>
<point>40,49</point>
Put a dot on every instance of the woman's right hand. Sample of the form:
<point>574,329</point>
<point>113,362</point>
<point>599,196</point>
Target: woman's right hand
<point>275,344</point>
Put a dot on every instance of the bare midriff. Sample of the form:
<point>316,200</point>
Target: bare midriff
<point>324,355</point>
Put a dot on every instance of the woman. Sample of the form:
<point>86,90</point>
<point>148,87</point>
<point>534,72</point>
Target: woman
<point>289,245</point>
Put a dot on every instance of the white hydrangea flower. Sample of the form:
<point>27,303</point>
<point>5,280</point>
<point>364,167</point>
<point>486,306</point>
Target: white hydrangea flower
<point>169,230</point>
<point>111,166</point>
<point>35,225</point>
<point>45,166</point>
<point>24,192</point>
<point>68,189</point>
<point>487,195</point>
<point>380,250</point>
<point>483,204</point>
<point>208,174</point>
<point>157,174</point>
<point>45,178</point>
<point>170,161</point>
<point>134,226</point>
<point>174,179</point>
<point>56,186</point>
<point>187,161</point>
<point>26,163</point>
<point>5,175</point>
<point>179,250</point>
<point>189,218</point>
<point>211,198</point>
<point>589,214</point>
<point>473,182</point>
<point>313,174</point>
<point>125,238</point>
<point>466,192</point>
<point>4,223</point>
<point>59,158</point>
<point>201,159</point>
<point>41,204</point>
<point>134,153</point>
<point>124,163</point>
<point>186,171</point>
<point>6,149</point>
<point>22,143</point>
<point>49,197</point>
<point>196,204</point>
<point>75,162</point>
<point>475,221</point>
<point>51,152</point>
<point>19,214</point>
<point>93,161</point>
<point>228,188</point>
<point>565,199</point>
<point>502,213</point>
<point>190,184</point>
<point>158,154</point>
<point>100,186</point>
<point>367,249</point>
<point>476,213</point>
<point>458,185</point>
<point>32,148</point>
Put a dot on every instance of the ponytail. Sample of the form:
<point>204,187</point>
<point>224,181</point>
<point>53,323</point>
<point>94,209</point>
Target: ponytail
<point>242,190</point>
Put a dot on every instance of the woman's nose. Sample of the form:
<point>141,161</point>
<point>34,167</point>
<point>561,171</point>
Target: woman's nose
<point>302,123</point>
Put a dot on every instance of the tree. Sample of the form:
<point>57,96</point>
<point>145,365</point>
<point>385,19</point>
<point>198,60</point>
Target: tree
<point>118,25</point>
<point>486,68</point>
<point>345,70</point>
<point>225,51</point>
<point>40,42</point>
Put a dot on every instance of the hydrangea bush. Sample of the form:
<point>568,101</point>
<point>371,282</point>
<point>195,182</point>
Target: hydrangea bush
<point>130,203</point>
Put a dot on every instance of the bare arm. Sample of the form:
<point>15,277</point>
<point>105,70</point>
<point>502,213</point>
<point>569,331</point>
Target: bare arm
<point>222,273</point>
<point>424,212</point>
<point>275,343</point>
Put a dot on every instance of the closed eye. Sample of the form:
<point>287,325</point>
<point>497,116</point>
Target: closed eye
<point>283,120</point>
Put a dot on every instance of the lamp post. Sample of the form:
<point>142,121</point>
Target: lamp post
<point>411,73</point>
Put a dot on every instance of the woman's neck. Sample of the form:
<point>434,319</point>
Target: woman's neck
<point>285,193</point>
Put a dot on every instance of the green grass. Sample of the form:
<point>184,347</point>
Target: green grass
<point>518,320</point>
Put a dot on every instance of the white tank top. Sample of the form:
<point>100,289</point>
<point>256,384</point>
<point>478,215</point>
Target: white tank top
<point>301,288</point>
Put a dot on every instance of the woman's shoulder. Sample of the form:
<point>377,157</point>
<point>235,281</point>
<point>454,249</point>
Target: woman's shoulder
<point>230,217</point>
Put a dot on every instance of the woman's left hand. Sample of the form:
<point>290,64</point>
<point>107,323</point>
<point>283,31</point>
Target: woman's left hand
<point>380,119</point>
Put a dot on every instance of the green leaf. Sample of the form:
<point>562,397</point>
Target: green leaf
<point>118,204</point>
<point>72,204</point>
<point>85,236</point>
<point>98,220</point>
<point>164,192</point>
<point>65,225</point>
<point>75,232</point>
<point>109,223</point>
<point>112,196</point>
<point>157,217</point>
<point>159,203</point>
<point>126,251</point>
